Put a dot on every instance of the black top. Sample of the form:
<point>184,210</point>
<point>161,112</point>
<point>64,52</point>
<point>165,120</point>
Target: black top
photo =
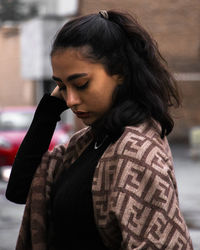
<point>72,208</point>
<point>72,218</point>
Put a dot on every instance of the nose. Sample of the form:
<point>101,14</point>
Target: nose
<point>72,98</point>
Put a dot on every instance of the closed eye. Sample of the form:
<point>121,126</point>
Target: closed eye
<point>84,86</point>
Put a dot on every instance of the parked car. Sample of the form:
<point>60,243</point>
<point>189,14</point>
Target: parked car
<point>14,123</point>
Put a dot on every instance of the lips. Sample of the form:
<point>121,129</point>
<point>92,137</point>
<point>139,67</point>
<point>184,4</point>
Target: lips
<point>82,115</point>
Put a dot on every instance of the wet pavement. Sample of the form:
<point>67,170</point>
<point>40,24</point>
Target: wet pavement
<point>10,219</point>
<point>188,180</point>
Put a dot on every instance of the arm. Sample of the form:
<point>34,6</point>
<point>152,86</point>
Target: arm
<point>147,208</point>
<point>34,145</point>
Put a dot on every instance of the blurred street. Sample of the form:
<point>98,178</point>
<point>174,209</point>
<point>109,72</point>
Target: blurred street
<point>188,179</point>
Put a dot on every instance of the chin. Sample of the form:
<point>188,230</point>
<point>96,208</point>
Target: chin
<point>87,123</point>
<point>91,122</point>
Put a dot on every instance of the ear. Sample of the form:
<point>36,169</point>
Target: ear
<point>119,79</point>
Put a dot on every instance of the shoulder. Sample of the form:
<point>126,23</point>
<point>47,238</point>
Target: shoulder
<point>139,153</point>
<point>138,162</point>
<point>141,141</point>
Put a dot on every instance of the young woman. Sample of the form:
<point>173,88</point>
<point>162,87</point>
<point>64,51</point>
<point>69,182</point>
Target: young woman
<point>113,186</point>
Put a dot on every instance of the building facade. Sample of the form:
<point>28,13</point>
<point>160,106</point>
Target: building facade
<point>14,90</point>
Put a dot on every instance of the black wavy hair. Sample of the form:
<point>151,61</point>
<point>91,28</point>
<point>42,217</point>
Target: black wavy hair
<point>125,48</point>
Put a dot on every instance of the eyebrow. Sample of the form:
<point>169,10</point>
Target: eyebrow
<point>71,77</point>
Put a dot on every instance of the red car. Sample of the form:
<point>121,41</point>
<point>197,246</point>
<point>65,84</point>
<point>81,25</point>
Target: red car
<point>14,123</point>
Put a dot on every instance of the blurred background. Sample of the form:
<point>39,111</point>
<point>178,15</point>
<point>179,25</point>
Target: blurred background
<point>27,29</point>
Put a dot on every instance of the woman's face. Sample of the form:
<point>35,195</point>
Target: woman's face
<point>85,86</point>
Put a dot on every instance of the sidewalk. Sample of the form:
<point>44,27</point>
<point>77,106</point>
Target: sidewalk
<point>187,173</point>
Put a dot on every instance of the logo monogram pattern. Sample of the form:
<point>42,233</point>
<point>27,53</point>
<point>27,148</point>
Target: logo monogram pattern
<point>135,193</point>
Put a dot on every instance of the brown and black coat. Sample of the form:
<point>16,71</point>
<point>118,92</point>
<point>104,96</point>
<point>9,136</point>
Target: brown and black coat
<point>134,193</point>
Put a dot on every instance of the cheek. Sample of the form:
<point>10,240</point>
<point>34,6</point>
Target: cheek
<point>101,100</point>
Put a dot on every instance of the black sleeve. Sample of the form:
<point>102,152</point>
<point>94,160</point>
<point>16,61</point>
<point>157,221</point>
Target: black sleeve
<point>34,145</point>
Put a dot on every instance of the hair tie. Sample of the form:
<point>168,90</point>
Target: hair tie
<point>104,14</point>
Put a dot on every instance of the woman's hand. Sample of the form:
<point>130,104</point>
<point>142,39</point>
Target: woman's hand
<point>57,93</point>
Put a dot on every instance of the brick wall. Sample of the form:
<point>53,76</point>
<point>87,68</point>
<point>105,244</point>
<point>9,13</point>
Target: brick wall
<point>175,25</point>
<point>188,115</point>
<point>13,89</point>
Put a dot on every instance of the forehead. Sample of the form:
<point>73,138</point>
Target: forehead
<point>72,60</point>
<point>79,53</point>
<point>67,54</point>
<point>67,60</point>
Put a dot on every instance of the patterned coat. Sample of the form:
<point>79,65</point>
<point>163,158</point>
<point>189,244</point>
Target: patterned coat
<point>134,193</point>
